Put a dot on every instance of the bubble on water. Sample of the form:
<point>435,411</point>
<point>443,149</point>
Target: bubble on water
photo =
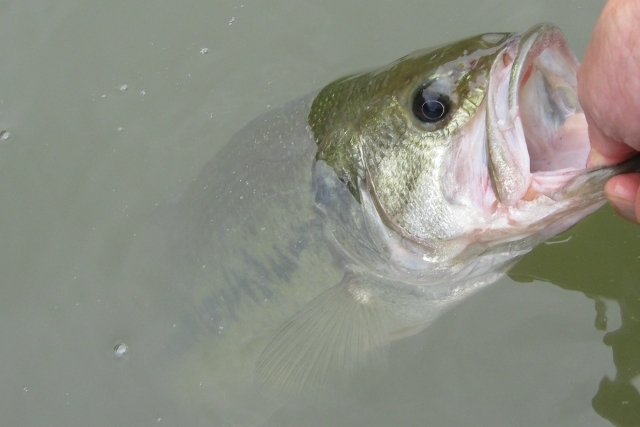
<point>636,382</point>
<point>25,389</point>
<point>121,349</point>
<point>123,87</point>
<point>104,95</point>
<point>120,129</point>
<point>231,20</point>
<point>143,92</point>
<point>4,135</point>
<point>204,50</point>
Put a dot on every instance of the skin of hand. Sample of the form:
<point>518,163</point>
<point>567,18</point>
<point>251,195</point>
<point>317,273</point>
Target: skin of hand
<point>609,92</point>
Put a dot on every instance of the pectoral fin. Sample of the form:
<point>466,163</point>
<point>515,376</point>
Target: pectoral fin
<point>318,350</point>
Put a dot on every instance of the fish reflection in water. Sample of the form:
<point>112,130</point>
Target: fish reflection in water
<point>354,216</point>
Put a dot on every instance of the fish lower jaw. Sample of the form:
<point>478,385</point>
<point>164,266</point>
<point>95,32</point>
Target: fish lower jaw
<point>549,183</point>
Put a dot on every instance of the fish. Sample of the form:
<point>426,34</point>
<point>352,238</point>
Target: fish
<point>354,216</point>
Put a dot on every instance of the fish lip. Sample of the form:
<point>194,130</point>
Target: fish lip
<point>531,44</point>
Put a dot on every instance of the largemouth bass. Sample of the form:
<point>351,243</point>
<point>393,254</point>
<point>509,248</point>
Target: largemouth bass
<point>355,215</point>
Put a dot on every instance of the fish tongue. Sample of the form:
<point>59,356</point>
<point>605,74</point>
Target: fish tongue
<point>508,155</point>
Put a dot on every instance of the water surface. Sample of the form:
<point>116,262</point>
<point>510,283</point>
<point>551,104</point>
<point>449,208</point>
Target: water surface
<point>112,108</point>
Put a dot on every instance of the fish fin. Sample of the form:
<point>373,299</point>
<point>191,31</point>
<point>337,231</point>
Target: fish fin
<point>316,353</point>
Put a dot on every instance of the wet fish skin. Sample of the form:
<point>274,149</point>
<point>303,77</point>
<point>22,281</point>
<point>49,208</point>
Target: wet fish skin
<point>339,222</point>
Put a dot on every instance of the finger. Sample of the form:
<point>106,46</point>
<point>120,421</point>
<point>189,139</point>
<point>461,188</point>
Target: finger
<point>604,150</point>
<point>623,191</point>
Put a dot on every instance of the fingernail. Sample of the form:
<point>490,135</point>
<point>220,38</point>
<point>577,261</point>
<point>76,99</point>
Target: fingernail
<point>596,159</point>
<point>624,188</point>
<point>622,198</point>
<point>624,208</point>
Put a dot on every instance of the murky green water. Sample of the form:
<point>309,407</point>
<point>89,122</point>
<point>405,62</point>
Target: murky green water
<point>113,108</point>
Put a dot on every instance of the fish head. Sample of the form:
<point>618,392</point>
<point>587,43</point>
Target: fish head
<point>462,151</point>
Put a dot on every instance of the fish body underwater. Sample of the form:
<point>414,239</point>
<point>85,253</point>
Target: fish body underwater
<point>354,216</point>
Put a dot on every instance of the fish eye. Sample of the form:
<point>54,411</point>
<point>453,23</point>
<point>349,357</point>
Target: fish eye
<point>430,105</point>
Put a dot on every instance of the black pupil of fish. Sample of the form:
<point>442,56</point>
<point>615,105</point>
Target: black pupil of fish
<point>430,106</point>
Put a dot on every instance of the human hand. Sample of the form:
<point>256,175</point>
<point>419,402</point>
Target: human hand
<point>609,92</point>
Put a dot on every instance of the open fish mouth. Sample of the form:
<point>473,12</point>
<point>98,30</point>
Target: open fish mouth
<point>474,148</point>
<point>537,143</point>
<point>536,130</point>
